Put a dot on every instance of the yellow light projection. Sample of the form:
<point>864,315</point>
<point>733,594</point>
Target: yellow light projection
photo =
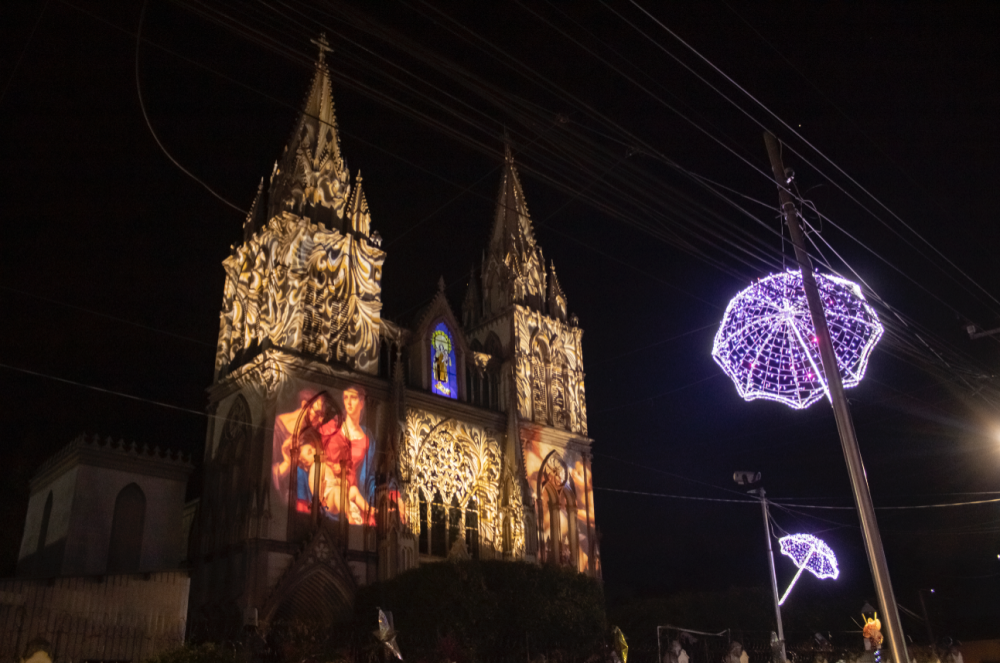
<point>454,463</point>
<point>560,479</point>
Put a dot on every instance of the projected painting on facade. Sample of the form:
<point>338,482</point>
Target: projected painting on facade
<point>323,454</point>
<point>564,497</point>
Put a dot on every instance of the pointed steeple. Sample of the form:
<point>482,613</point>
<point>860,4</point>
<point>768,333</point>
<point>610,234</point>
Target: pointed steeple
<point>312,173</point>
<point>256,217</point>
<point>472,304</point>
<point>512,233</point>
<point>556,297</point>
<point>513,258</point>
<point>359,218</point>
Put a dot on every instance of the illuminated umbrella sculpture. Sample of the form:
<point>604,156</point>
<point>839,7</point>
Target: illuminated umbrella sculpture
<point>811,553</point>
<point>767,343</point>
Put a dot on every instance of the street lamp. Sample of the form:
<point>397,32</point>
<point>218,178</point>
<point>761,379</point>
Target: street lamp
<point>747,479</point>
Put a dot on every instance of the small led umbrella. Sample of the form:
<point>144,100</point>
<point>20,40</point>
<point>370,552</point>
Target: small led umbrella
<point>808,552</point>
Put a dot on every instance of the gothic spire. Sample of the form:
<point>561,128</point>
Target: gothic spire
<point>556,296</point>
<point>512,241</point>
<point>513,233</point>
<point>359,218</point>
<point>255,217</point>
<point>312,172</point>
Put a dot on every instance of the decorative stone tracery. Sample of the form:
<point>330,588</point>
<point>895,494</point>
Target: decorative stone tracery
<point>305,288</point>
<point>549,371</point>
<point>456,462</point>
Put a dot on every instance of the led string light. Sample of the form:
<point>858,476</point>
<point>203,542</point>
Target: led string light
<point>767,344</point>
<point>532,111</point>
<point>300,25</point>
<point>618,211</point>
<point>808,553</point>
<point>801,156</point>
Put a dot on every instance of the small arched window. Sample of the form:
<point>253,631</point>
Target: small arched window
<point>235,434</point>
<point>424,541</point>
<point>125,549</point>
<point>439,527</point>
<point>444,377</point>
<point>43,532</point>
<point>472,528</point>
<point>454,522</point>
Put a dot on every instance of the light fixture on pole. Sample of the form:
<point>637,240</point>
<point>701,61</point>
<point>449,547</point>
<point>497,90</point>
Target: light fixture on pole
<point>747,479</point>
<point>833,385</point>
<point>808,552</point>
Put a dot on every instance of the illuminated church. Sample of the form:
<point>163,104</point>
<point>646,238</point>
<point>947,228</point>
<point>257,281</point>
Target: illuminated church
<point>343,448</point>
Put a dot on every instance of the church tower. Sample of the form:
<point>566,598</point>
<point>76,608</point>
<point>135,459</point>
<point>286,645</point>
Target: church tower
<point>517,313</point>
<point>344,448</point>
<point>285,525</point>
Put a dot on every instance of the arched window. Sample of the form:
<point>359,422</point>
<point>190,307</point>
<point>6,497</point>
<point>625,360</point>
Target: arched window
<point>552,521</point>
<point>454,522</point>
<point>439,527</point>
<point>444,377</point>
<point>125,549</point>
<point>569,546</point>
<point>424,527</point>
<point>44,530</point>
<point>472,528</point>
<point>235,434</point>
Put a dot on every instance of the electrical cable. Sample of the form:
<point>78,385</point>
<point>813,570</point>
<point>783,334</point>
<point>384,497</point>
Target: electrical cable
<point>142,106</point>
<point>689,248</point>
<point>649,399</point>
<point>790,507</point>
<point>106,315</point>
<point>780,505</point>
<point>810,145</point>
<point>676,497</point>
<point>591,365</point>
<point>24,49</point>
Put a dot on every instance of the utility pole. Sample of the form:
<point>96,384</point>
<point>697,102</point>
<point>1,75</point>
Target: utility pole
<point>841,412</point>
<point>927,619</point>
<point>774,578</point>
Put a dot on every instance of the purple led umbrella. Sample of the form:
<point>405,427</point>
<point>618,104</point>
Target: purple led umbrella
<point>767,343</point>
<point>808,552</point>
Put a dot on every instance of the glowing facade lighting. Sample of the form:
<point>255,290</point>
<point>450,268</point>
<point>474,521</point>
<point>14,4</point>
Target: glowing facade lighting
<point>767,343</point>
<point>808,552</point>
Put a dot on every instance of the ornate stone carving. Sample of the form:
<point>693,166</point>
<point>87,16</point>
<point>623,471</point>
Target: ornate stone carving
<point>514,270</point>
<point>539,393</point>
<point>312,173</point>
<point>460,461</point>
<point>304,288</point>
<point>554,472</point>
<point>558,370</point>
<point>308,274</point>
<point>261,379</point>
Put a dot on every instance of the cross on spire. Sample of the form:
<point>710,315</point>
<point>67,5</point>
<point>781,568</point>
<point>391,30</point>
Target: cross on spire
<point>323,45</point>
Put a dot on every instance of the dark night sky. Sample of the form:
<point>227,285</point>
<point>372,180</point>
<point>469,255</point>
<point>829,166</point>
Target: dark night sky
<point>111,256</point>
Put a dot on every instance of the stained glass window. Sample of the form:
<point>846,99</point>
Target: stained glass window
<point>444,380</point>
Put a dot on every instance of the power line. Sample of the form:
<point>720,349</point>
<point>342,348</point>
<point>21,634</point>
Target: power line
<point>676,497</point>
<point>787,506</point>
<point>142,106</point>
<point>810,145</point>
<point>17,64</point>
<point>106,315</point>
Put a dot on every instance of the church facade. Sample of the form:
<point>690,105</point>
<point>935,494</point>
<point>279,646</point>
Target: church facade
<point>343,448</point>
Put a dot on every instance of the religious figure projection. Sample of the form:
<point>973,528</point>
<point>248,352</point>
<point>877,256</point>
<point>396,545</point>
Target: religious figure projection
<point>330,446</point>
<point>445,380</point>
